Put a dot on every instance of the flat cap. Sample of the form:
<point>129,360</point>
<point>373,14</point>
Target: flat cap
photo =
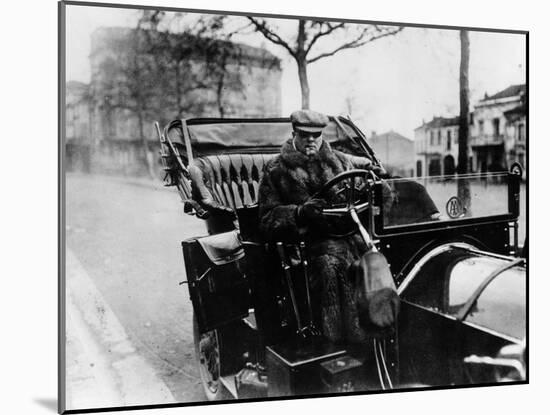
<point>307,120</point>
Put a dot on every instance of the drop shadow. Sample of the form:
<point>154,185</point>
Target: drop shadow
<point>47,403</point>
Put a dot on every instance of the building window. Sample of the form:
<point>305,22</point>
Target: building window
<point>439,137</point>
<point>449,140</point>
<point>431,138</point>
<point>521,132</point>
<point>496,127</point>
<point>481,128</point>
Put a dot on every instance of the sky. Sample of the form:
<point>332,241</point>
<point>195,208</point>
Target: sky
<point>394,83</point>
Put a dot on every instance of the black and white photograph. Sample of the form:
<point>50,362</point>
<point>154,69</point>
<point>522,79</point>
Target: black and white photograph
<point>258,207</point>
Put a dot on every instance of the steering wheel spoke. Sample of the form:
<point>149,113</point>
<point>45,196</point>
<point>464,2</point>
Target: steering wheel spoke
<point>336,211</point>
<point>345,192</point>
<point>351,191</point>
<point>361,207</point>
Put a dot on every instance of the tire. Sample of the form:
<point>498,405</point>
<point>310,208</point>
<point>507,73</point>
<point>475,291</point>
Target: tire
<point>207,353</point>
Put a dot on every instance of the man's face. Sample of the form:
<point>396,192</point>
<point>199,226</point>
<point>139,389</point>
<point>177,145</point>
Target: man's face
<point>307,143</point>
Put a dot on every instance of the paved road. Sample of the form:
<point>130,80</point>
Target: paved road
<point>127,238</point>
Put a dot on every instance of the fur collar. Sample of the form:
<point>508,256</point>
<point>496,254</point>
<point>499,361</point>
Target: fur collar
<point>295,159</point>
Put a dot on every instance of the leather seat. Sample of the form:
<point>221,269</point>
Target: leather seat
<point>227,182</point>
<point>226,186</point>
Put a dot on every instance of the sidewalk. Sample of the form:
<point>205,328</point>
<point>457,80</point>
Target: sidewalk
<point>103,368</point>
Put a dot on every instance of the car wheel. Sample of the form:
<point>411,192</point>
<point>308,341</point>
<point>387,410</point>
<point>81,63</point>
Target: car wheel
<point>207,353</point>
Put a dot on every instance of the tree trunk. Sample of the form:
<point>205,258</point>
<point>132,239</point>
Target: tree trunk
<point>148,156</point>
<point>220,86</point>
<point>304,84</point>
<point>92,139</point>
<point>179,97</point>
<point>301,61</point>
<point>463,123</point>
<point>219,96</point>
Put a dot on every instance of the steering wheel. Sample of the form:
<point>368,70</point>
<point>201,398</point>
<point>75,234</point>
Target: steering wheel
<point>345,193</point>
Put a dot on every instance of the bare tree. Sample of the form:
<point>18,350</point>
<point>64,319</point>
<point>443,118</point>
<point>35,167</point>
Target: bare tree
<point>222,59</point>
<point>463,122</point>
<point>131,84</point>
<point>198,58</point>
<point>310,32</point>
<point>153,74</point>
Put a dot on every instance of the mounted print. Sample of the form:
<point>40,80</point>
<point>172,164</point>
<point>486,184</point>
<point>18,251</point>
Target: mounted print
<point>256,207</point>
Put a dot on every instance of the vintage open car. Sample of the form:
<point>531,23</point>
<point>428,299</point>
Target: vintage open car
<point>460,276</point>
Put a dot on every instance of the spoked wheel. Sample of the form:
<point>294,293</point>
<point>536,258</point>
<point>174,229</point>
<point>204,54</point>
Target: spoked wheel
<point>207,353</point>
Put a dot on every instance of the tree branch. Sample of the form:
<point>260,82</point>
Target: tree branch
<point>244,29</point>
<point>270,35</point>
<point>322,33</point>
<point>357,42</point>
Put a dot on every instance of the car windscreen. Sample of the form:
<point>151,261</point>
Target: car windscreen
<point>417,200</point>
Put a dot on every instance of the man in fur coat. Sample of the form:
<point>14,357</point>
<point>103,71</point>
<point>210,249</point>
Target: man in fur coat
<point>287,213</point>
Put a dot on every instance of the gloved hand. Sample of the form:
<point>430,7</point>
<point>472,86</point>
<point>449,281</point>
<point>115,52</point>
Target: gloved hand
<point>366,163</point>
<point>311,213</point>
<point>379,171</point>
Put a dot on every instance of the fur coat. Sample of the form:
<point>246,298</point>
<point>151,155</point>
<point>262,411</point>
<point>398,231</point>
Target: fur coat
<point>288,181</point>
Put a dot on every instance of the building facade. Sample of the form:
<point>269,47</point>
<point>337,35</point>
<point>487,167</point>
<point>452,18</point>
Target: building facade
<point>137,79</point>
<point>395,151</point>
<point>498,133</point>
<point>497,128</point>
<point>436,147</point>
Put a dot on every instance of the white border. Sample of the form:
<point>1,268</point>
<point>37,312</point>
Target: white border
<point>29,188</point>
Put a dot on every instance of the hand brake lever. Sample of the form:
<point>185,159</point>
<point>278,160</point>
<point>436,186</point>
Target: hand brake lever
<point>310,328</point>
<point>286,271</point>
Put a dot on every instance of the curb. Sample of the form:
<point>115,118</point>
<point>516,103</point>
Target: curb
<point>103,368</point>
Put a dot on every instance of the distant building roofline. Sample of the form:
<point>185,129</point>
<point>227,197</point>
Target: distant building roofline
<point>389,134</point>
<point>509,92</point>
<point>514,113</point>
<point>246,51</point>
<point>438,122</point>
